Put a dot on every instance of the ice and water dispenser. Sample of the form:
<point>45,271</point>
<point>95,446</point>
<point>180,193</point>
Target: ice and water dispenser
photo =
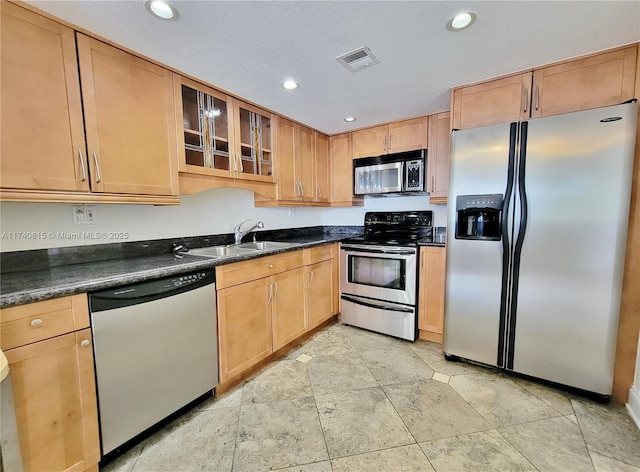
<point>478,217</point>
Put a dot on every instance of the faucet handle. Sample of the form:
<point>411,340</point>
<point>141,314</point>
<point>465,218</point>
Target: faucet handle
<point>237,227</point>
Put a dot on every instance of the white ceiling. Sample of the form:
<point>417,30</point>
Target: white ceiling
<point>249,47</point>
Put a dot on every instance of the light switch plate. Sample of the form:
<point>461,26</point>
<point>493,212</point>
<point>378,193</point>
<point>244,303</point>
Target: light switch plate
<point>84,214</point>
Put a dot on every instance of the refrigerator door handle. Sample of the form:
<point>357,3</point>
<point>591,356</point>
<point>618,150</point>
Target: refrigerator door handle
<point>517,252</point>
<point>506,246</point>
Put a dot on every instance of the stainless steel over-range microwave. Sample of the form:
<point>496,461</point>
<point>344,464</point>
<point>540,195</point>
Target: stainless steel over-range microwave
<point>398,173</point>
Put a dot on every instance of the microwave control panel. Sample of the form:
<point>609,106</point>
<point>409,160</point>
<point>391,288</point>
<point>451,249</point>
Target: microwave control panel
<point>414,175</point>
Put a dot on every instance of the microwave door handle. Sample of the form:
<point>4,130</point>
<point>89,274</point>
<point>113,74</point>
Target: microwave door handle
<point>372,304</point>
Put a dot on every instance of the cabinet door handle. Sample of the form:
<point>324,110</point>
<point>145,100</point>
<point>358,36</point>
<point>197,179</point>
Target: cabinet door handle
<point>270,266</point>
<point>82,169</point>
<point>319,191</point>
<point>301,190</point>
<point>537,100</point>
<point>297,188</point>
<point>239,164</point>
<point>98,174</point>
<point>384,143</point>
<point>525,97</point>
<point>85,343</point>
<point>389,143</point>
<point>275,291</point>
<point>270,294</point>
<point>433,183</point>
<point>36,322</point>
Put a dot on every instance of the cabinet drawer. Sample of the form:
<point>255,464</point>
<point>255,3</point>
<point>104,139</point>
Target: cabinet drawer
<point>34,322</point>
<point>319,254</point>
<point>245,271</point>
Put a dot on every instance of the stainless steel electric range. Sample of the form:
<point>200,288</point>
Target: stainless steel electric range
<point>378,272</point>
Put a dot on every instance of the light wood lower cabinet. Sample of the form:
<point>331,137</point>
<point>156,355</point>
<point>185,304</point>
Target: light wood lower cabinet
<point>320,292</point>
<point>288,307</point>
<point>431,293</point>
<point>244,326</point>
<point>266,303</point>
<point>53,384</point>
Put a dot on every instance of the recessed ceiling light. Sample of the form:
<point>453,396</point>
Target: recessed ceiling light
<point>349,119</point>
<point>161,9</point>
<point>461,21</point>
<point>290,84</point>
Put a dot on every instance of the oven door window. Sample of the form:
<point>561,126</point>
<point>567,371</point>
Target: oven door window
<point>377,272</point>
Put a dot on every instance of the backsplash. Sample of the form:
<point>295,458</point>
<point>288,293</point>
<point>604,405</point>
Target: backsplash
<point>30,226</point>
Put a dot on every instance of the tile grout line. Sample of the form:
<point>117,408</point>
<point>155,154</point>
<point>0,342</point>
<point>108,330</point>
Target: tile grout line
<point>235,442</point>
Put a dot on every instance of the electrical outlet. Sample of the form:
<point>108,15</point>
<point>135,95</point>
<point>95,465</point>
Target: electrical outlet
<point>84,214</point>
<point>293,212</point>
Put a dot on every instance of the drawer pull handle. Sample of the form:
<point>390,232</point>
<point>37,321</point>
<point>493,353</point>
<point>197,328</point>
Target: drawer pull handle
<point>270,266</point>
<point>37,322</point>
<point>85,343</point>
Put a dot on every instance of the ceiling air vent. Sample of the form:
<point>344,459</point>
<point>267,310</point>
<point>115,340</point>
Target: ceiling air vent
<point>358,59</point>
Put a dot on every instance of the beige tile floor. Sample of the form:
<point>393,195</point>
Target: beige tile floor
<point>349,400</point>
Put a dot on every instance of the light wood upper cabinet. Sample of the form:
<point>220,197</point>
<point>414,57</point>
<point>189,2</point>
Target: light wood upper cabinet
<point>296,162</point>
<point>129,121</point>
<point>401,136</point>
<point>431,292</point>
<point>43,142</point>
<point>498,101</point>
<point>438,158</point>
<point>288,188</point>
<point>288,307</point>
<point>323,182</point>
<point>53,383</point>
<point>305,163</point>
<point>341,165</point>
<point>253,142</point>
<point>370,141</point>
<point>114,134</point>
<point>596,81</point>
<point>204,118</point>
<point>222,141</point>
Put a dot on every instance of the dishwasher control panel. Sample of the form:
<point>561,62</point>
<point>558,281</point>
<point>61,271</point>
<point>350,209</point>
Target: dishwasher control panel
<point>148,290</point>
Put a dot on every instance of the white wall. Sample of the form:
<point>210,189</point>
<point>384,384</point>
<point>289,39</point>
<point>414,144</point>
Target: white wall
<point>212,212</point>
<point>346,216</point>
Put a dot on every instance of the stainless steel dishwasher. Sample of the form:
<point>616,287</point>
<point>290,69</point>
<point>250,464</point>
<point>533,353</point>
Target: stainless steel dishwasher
<point>155,347</point>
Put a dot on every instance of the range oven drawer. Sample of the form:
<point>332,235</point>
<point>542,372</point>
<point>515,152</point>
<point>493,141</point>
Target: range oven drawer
<point>376,315</point>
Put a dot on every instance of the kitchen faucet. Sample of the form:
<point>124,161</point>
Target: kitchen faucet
<point>239,234</point>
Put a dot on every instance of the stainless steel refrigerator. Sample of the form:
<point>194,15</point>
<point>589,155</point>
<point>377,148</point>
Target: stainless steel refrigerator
<point>537,226</point>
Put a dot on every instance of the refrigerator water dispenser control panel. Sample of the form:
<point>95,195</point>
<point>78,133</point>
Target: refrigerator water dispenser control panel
<point>478,217</point>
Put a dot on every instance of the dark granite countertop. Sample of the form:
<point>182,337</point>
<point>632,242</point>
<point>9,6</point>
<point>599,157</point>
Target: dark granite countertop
<point>19,287</point>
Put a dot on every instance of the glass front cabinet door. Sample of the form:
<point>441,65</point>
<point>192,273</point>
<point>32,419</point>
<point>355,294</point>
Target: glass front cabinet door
<point>221,136</point>
<point>254,143</point>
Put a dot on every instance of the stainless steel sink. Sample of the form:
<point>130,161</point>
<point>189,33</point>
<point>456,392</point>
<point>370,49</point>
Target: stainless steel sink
<point>235,249</point>
<point>219,251</point>
<point>266,245</point>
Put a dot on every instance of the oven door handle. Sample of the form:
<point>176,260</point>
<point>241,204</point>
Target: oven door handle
<point>408,252</point>
<point>378,306</point>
